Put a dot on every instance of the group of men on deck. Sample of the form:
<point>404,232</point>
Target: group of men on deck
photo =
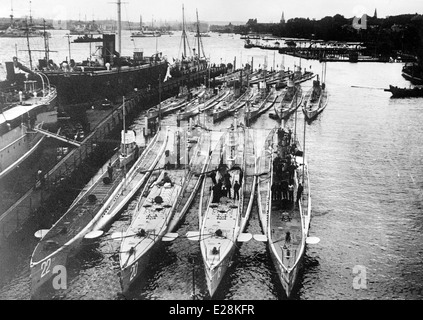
<point>284,167</point>
<point>222,188</point>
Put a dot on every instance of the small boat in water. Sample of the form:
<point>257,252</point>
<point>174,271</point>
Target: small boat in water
<point>405,92</point>
<point>86,38</point>
<point>146,33</point>
<point>224,211</point>
<point>315,101</point>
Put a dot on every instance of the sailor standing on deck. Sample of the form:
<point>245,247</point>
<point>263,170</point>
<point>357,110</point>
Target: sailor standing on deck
<point>228,187</point>
<point>284,188</point>
<point>236,190</point>
<point>299,191</point>
<point>110,170</point>
<point>273,188</point>
<point>217,192</point>
<point>168,160</point>
<point>291,191</point>
<point>213,177</point>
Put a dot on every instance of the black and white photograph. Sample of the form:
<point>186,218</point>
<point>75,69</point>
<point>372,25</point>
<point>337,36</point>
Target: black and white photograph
<point>209,151</point>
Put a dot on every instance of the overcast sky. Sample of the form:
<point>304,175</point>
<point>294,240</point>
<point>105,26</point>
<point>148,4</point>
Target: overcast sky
<point>208,10</point>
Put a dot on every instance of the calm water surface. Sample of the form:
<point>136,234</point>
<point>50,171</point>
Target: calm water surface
<point>365,162</point>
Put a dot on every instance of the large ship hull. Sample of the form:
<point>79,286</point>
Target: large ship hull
<point>412,79</point>
<point>23,145</point>
<point>18,140</point>
<point>89,86</point>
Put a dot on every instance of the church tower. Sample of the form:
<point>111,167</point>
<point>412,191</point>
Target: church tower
<point>282,19</point>
<point>375,15</point>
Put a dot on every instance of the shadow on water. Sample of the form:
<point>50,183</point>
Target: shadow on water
<point>309,267</point>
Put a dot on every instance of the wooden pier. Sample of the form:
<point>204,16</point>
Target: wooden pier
<point>39,194</point>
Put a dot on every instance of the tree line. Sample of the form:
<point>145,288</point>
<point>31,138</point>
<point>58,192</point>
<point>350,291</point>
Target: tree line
<point>387,36</point>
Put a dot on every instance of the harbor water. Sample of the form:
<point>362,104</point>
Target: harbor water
<point>365,164</point>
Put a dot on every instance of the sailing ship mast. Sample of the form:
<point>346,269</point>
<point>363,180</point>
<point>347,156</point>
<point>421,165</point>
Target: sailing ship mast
<point>184,35</point>
<point>124,124</point>
<point>304,149</point>
<point>27,42</point>
<point>11,13</point>
<point>46,46</point>
<point>119,28</point>
<point>198,37</point>
<point>69,48</point>
<point>30,14</point>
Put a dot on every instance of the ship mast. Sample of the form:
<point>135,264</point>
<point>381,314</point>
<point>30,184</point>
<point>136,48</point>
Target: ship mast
<point>11,13</point>
<point>27,41</point>
<point>69,48</point>
<point>198,36</point>
<point>30,13</point>
<point>119,28</point>
<point>199,39</point>
<point>124,124</point>
<point>304,141</point>
<point>184,35</point>
<point>46,46</point>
